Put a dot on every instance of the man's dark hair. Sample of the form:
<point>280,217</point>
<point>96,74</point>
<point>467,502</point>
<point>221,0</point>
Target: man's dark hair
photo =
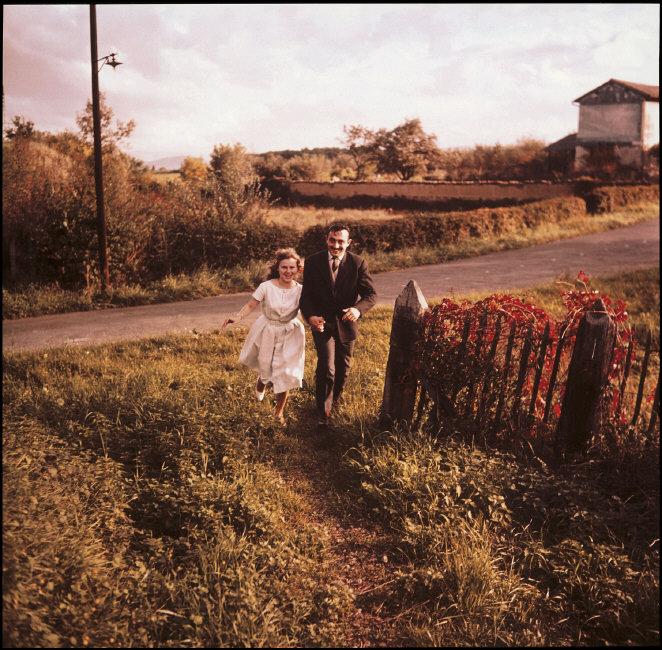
<point>335,227</point>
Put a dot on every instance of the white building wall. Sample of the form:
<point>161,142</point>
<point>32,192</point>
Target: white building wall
<point>609,123</point>
<point>651,124</point>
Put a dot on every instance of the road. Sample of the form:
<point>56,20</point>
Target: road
<point>602,253</point>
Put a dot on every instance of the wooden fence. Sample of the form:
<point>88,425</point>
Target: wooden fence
<point>522,381</point>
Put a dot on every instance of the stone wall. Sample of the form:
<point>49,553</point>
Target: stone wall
<point>431,192</point>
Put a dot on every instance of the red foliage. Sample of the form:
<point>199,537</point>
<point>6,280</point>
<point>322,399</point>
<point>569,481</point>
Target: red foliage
<point>451,363</point>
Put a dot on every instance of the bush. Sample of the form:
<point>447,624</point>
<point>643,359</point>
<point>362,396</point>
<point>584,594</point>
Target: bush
<point>608,199</point>
<point>447,228</point>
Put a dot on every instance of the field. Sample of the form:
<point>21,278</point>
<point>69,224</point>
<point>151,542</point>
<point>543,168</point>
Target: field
<point>149,501</point>
<point>166,177</point>
<point>301,217</point>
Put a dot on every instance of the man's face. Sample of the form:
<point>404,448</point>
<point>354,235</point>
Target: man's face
<point>337,242</point>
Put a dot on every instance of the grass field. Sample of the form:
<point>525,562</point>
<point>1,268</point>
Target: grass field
<point>149,501</point>
<point>302,217</point>
<point>165,177</point>
<point>36,300</point>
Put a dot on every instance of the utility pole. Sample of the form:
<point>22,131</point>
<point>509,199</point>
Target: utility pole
<point>104,273</point>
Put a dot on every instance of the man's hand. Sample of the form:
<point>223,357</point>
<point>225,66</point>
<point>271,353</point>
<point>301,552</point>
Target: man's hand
<point>351,314</point>
<point>317,323</point>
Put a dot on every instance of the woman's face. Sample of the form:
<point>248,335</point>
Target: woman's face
<point>287,269</point>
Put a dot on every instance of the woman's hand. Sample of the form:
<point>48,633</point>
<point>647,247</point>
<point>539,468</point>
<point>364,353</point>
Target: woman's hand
<point>227,321</point>
<point>317,323</point>
<point>244,311</point>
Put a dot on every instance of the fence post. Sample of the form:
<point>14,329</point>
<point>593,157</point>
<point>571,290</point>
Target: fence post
<point>399,386</point>
<point>587,377</point>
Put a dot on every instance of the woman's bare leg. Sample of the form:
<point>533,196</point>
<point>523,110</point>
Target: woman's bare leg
<point>281,400</point>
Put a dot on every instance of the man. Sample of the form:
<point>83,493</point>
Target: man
<point>337,291</point>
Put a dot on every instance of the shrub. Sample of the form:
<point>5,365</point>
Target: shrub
<point>608,199</point>
<point>447,228</point>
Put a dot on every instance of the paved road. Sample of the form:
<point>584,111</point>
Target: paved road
<point>598,254</point>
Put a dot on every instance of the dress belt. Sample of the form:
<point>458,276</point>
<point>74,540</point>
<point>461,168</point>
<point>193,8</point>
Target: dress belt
<point>279,322</point>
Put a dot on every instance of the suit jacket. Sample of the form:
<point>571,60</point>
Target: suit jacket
<point>353,288</point>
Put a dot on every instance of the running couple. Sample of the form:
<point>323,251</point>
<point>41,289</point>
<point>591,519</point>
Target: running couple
<point>337,290</point>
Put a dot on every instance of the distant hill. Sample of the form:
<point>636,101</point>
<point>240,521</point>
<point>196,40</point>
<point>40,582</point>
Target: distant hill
<point>328,152</point>
<point>170,163</point>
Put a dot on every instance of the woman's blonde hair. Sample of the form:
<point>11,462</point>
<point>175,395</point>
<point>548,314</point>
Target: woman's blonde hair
<point>284,254</point>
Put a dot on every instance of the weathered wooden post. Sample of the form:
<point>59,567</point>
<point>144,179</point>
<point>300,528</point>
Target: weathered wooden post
<point>399,386</point>
<point>587,377</point>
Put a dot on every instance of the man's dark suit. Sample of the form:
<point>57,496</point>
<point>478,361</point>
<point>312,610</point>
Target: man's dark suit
<point>321,297</point>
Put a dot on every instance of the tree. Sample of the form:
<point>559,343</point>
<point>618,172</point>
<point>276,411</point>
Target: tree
<point>235,190</point>
<point>406,150</point>
<point>308,168</point>
<point>269,166</point>
<point>22,128</point>
<point>33,174</point>
<point>360,142</point>
<point>193,170</point>
<point>231,166</point>
<point>110,137</point>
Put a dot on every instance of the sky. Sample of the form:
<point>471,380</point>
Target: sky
<point>289,76</point>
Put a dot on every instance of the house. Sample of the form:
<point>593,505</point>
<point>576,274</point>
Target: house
<point>618,125</point>
<point>561,155</point>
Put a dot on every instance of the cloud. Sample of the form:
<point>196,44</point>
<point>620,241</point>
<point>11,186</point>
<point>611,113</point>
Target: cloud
<point>290,76</point>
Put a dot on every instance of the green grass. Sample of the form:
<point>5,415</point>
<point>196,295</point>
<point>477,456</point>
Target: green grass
<point>37,300</point>
<point>148,501</point>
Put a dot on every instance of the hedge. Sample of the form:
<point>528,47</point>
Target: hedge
<point>447,228</point>
<point>608,199</point>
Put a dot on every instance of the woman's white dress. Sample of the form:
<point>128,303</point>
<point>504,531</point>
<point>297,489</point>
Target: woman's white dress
<point>275,343</point>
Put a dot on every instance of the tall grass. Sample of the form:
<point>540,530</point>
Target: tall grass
<point>149,501</point>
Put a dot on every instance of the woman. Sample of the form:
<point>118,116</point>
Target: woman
<point>275,343</point>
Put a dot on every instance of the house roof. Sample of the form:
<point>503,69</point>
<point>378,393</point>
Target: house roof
<point>568,142</point>
<point>649,93</point>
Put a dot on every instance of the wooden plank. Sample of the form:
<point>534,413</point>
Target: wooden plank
<point>459,357</point>
<point>642,378</point>
<point>478,349</point>
<point>587,377</point>
<point>523,368</point>
<point>540,365</point>
<point>489,374</point>
<point>626,374</point>
<point>505,374</point>
<point>399,385</point>
<point>552,380</point>
<point>656,408</point>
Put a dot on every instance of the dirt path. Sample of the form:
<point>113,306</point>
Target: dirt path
<point>358,555</point>
<point>597,254</point>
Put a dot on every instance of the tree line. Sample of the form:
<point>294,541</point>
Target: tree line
<point>406,152</point>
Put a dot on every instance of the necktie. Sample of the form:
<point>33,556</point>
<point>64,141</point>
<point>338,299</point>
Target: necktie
<point>334,267</point>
